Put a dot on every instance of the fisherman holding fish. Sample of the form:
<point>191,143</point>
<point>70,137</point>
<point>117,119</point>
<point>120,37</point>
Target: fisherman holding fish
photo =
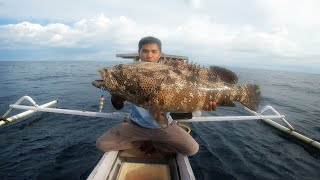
<point>141,130</point>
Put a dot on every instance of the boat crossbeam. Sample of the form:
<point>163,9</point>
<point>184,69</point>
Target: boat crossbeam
<point>46,108</point>
<point>255,116</point>
<point>268,107</point>
<point>70,111</point>
<point>4,120</point>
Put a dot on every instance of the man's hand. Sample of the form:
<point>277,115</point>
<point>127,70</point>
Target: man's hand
<point>117,102</point>
<point>212,106</point>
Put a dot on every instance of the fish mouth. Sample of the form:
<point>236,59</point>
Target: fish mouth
<point>98,83</point>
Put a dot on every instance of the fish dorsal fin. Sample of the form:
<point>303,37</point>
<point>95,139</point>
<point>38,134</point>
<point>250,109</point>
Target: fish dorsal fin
<point>216,72</point>
<point>183,65</point>
<point>213,73</point>
<point>179,64</point>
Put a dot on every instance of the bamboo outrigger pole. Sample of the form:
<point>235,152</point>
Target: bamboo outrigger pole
<point>291,131</point>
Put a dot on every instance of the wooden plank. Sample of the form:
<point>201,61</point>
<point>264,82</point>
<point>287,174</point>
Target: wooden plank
<point>168,56</point>
<point>142,171</point>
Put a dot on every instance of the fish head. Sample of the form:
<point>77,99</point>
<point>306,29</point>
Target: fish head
<point>108,80</point>
<point>98,83</point>
<point>133,82</point>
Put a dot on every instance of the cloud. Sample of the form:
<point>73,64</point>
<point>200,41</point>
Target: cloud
<point>209,37</point>
<point>256,33</point>
<point>193,3</point>
<point>198,30</point>
<point>291,12</point>
<point>84,33</point>
<point>199,37</point>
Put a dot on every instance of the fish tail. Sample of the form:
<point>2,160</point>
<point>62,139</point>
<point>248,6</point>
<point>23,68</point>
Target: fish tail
<point>248,95</point>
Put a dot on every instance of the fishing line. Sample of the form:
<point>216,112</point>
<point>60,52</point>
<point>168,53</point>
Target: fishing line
<point>187,128</point>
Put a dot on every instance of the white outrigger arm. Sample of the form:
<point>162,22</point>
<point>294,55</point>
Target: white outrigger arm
<point>256,116</point>
<point>46,108</point>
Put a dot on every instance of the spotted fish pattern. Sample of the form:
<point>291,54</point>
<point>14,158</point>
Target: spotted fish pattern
<point>175,86</point>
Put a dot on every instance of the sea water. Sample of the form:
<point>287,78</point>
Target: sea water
<point>59,146</point>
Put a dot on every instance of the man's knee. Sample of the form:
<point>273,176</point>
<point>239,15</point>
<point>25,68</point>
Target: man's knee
<point>191,150</point>
<point>103,145</point>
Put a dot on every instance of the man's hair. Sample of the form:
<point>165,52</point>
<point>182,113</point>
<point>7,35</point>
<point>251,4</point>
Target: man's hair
<point>150,40</point>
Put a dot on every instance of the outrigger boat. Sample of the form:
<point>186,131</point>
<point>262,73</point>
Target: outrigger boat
<point>134,164</point>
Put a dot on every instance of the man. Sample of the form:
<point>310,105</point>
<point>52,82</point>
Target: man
<point>140,130</point>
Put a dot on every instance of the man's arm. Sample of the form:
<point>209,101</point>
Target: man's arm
<point>181,115</point>
<point>212,106</point>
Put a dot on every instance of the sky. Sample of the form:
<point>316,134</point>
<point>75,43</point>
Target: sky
<point>264,34</point>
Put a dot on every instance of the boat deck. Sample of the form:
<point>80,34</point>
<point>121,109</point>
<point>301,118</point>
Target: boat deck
<point>134,164</point>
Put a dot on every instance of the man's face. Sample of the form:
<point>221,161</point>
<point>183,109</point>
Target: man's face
<point>150,53</point>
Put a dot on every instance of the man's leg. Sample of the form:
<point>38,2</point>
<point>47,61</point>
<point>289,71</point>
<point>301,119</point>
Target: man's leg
<point>123,136</point>
<point>175,139</point>
<point>129,136</point>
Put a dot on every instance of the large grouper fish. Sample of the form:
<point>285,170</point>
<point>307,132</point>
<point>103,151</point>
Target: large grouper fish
<point>175,86</point>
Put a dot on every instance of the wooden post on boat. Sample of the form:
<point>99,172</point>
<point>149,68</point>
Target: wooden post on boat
<point>135,57</point>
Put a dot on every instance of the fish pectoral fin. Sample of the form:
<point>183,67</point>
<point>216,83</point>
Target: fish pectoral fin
<point>159,116</point>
